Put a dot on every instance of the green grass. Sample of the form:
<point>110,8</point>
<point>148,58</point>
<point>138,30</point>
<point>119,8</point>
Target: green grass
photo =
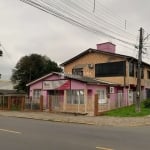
<point>128,112</point>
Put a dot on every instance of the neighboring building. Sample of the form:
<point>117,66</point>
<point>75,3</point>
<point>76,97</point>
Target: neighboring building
<point>6,87</point>
<point>10,98</point>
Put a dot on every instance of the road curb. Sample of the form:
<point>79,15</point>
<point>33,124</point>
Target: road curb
<point>80,120</point>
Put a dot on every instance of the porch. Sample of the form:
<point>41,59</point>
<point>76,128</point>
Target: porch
<point>89,103</point>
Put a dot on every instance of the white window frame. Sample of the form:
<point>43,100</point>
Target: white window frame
<point>75,96</point>
<point>36,94</point>
<point>102,98</point>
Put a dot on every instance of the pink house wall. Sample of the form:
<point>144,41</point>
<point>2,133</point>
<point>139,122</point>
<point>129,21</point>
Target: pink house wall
<point>75,84</point>
<point>91,89</point>
<point>96,87</point>
<point>38,85</point>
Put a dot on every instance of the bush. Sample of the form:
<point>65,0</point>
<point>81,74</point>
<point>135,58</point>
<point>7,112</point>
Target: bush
<point>147,103</point>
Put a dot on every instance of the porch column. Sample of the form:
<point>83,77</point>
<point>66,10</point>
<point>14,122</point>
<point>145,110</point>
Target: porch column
<point>125,96</point>
<point>85,99</point>
<point>50,104</point>
<point>9,102</point>
<point>22,103</point>
<point>65,100</point>
<point>41,103</point>
<point>96,105</point>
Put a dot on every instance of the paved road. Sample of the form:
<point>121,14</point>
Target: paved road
<point>28,134</point>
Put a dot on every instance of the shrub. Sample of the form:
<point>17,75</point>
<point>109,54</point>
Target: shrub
<point>147,103</point>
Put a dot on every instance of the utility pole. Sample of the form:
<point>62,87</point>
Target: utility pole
<point>138,90</point>
<point>1,54</point>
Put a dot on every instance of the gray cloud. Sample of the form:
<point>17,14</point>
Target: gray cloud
<point>25,30</point>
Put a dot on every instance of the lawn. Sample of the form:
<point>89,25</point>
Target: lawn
<point>129,112</point>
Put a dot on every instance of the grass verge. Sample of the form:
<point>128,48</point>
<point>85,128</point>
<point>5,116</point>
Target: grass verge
<point>129,112</point>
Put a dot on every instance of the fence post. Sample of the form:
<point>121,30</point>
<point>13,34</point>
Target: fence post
<point>22,103</point>
<point>30,99</point>
<point>96,105</point>
<point>50,104</point>
<point>9,102</point>
<point>41,103</point>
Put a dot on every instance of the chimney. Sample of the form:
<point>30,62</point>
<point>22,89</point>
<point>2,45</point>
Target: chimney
<point>107,47</point>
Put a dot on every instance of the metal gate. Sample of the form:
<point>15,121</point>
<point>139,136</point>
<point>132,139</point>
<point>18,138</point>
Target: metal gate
<point>3,102</point>
<point>56,98</point>
<point>119,99</point>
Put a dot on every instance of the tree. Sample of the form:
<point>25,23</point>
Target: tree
<point>30,68</point>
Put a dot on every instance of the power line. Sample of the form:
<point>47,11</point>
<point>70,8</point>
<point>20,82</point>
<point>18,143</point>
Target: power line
<point>116,15</point>
<point>43,1</point>
<point>72,21</point>
<point>65,1</point>
<point>97,18</point>
<point>94,18</point>
<point>110,12</point>
<point>108,15</point>
<point>100,9</point>
<point>94,6</point>
<point>81,19</point>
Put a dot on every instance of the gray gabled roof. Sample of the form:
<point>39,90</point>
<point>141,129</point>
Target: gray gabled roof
<point>91,50</point>
<point>84,79</point>
<point>6,85</point>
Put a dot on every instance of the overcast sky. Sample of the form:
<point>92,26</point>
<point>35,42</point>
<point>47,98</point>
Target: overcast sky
<point>25,30</point>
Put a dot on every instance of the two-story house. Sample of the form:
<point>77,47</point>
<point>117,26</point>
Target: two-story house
<point>105,64</point>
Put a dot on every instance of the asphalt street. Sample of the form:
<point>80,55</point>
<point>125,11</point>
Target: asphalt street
<point>29,134</point>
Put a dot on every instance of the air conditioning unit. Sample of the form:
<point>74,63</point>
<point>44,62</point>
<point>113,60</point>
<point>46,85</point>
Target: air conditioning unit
<point>111,90</point>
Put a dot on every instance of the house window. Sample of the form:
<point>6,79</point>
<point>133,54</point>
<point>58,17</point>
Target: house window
<point>148,74</point>
<point>110,69</point>
<point>36,94</point>
<point>102,96</point>
<point>131,69</point>
<point>77,71</point>
<point>75,96</point>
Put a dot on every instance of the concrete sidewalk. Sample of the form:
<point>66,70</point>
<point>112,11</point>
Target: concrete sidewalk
<point>69,118</point>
